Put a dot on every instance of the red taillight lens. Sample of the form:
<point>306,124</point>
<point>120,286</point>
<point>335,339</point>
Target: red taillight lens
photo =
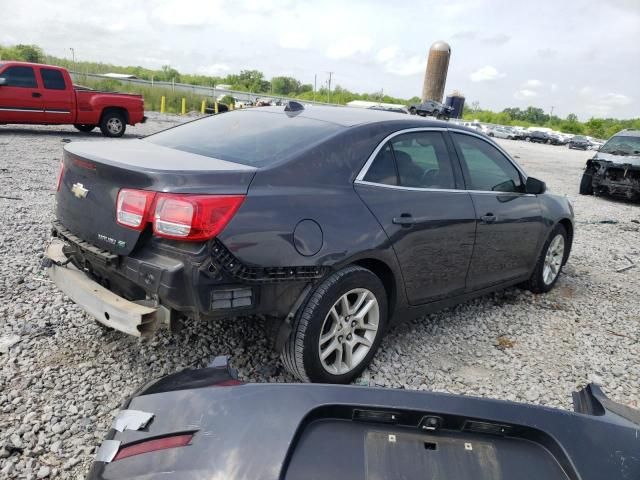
<point>60,174</point>
<point>193,217</point>
<point>153,445</point>
<point>132,207</point>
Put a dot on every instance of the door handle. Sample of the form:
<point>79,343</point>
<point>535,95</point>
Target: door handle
<point>36,95</point>
<point>405,219</point>
<point>488,218</point>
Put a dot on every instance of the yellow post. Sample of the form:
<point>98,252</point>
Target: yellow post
<point>215,107</point>
<point>184,106</point>
<point>202,106</point>
<point>231,106</point>
<point>162,104</point>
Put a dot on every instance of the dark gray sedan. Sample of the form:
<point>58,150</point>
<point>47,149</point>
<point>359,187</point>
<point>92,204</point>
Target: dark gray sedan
<point>334,223</point>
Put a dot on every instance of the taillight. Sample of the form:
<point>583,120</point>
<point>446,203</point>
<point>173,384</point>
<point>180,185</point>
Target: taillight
<point>132,207</point>
<point>153,445</point>
<point>193,217</point>
<point>60,174</point>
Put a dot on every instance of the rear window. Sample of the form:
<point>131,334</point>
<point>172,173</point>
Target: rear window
<point>52,79</point>
<point>248,137</point>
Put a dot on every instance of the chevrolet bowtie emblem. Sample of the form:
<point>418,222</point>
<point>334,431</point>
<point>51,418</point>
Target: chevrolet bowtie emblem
<point>79,190</point>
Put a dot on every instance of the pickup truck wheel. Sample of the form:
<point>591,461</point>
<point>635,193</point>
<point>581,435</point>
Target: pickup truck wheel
<point>550,262</point>
<point>586,184</point>
<point>84,128</point>
<point>339,328</point>
<point>113,124</point>
<point>412,111</point>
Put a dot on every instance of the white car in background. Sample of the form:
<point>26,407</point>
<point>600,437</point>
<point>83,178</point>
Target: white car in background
<point>501,132</point>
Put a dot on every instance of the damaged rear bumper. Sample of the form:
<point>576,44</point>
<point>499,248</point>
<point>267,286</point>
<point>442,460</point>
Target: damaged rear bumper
<point>107,307</point>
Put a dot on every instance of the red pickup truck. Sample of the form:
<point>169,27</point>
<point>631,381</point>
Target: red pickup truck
<point>42,94</point>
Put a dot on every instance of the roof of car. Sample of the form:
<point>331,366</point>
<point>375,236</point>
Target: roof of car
<point>351,116</point>
<point>628,132</point>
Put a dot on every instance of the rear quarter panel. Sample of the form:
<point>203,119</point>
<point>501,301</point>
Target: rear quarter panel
<point>91,104</point>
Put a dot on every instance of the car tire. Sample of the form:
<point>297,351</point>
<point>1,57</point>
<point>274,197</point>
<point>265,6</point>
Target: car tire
<point>586,184</point>
<point>412,111</point>
<point>550,263</point>
<point>527,139</point>
<point>113,124</point>
<point>84,128</point>
<point>314,321</point>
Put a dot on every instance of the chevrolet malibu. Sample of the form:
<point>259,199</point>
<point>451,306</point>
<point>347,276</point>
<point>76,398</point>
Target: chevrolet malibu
<point>332,223</point>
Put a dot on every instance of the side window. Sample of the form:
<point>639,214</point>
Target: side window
<point>423,160</point>
<point>20,77</point>
<point>488,168</point>
<point>383,169</point>
<point>52,79</point>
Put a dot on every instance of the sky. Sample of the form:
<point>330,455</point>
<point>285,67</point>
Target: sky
<point>574,56</point>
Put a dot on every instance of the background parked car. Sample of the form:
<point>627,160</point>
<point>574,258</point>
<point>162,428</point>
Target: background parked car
<point>536,136</point>
<point>501,132</point>
<point>431,108</point>
<point>579,142</point>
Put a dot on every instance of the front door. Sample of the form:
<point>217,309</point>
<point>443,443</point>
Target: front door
<point>509,220</point>
<point>20,97</point>
<point>411,188</point>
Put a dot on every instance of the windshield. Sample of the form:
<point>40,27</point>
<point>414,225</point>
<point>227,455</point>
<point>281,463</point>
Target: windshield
<point>255,138</point>
<point>622,145</point>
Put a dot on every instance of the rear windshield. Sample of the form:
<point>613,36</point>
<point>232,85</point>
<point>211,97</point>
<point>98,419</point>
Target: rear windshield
<point>248,137</point>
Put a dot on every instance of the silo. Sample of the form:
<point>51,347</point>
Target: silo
<point>436,75</point>
<point>456,102</point>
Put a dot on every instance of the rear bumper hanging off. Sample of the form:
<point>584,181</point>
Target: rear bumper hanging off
<point>107,307</point>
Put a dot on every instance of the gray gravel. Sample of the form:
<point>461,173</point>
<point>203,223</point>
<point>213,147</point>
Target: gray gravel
<point>62,377</point>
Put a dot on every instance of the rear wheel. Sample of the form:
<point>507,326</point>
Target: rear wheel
<point>586,184</point>
<point>339,329</point>
<point>84,128</point>
<point>550,263</point>
<point>113,124</point>
<point>412,111</point>
<point>527,139</point>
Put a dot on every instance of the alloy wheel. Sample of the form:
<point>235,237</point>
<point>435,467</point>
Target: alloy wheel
<point>114,125</point>
<point>553,260</point>
<point>349,331</point>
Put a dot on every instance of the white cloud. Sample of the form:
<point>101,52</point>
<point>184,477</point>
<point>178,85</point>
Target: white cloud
<point>215,69</point>
<point>524,94</point>
<point>599,103</point>
<point>387,54</point>
<point>295,40</point>
<point>554,87</point>
<point>533,83</point>
<point>349,46</point>
<point>485,74</point>
<point>617,99</point>
<point>195,13</point>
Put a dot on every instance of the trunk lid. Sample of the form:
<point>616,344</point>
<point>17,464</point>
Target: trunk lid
<point>94,172</point>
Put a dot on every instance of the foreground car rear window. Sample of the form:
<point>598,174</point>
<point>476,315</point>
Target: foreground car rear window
<point>248,137</point>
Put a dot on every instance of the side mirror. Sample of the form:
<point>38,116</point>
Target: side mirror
<point>535,186</point>
<point>3,81</point>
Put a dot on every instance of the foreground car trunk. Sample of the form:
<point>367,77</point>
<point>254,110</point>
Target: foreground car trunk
<point>94,172</point>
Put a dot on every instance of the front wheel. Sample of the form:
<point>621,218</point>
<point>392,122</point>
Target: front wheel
<point>527,139</point>
<point>113,124</point>
<point>338,330</point>
<point>84,128</point>
<point>586,184</point>
<point>549,265</point>
<point>412,111</point>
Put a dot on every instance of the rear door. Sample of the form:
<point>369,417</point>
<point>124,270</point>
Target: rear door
<point>411,184</point>
<point>57,96</point>
<point>509,220</point>
<point>20,97</point>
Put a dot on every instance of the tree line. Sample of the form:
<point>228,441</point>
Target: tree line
<point>254,81</point>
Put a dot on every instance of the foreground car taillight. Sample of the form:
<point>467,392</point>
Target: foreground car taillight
<point>132,207</point>
<point>193,217</point>
<point>60,174</point>
<point>153,445</point>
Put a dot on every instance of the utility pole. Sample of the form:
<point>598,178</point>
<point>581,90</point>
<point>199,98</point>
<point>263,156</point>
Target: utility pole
<point>73,56</point>
<point>315,80</point>
<point>551,114</point>
<point>329,85</point>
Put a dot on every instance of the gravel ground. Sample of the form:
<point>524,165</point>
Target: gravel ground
<point>62,380</point>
